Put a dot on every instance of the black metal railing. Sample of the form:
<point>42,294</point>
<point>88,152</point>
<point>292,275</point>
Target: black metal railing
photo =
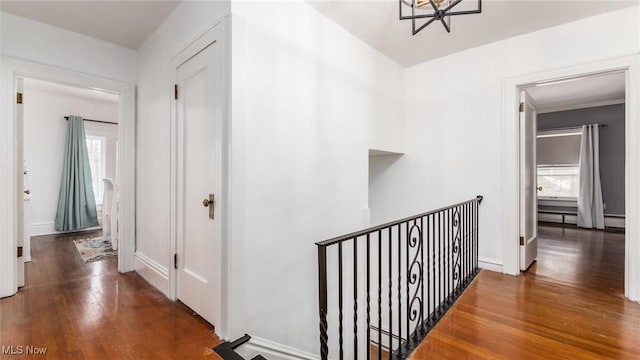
<point>387,286</point>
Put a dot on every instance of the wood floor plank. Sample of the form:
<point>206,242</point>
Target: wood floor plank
<point>90,311</point>
<point>569,305</point>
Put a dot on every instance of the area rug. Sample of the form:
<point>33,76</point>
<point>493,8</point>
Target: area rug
<point>95,249</point>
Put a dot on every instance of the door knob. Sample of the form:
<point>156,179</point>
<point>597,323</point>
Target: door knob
<point>210,201</point>
<point>539,188</point>
<point>27,191</point>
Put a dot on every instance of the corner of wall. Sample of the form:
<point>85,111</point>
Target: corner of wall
<point>156,274</point>
<point>273,351</point>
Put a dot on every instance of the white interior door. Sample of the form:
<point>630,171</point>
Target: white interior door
<point>199,167</point>
<point>528,182</point>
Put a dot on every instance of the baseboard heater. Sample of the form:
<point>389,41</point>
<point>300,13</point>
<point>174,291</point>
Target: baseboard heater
<point>570,217</point>
<point>227,351</point>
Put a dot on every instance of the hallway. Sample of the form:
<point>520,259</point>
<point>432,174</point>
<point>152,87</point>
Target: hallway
<point>90,311</point>
<point>569,305</point>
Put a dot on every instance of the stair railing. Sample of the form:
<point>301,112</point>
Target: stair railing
<point>397,280</point>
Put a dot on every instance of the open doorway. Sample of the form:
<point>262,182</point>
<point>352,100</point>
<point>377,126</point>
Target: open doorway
<point>45,142</point>
<point>579,181</point>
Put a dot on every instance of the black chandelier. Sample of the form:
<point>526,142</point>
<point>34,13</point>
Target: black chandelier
<point>429,11</point>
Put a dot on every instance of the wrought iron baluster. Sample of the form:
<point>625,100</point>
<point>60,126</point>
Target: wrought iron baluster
<point>433,264</point>
<point>447,240</point>
<point>408,276</point>
<point>467,263</point>
<point>421,319</point>
<point>389,233</point>
<point>340,338</point>
<point>322,288</point>
<point>400,290</point>
<point>440,267</point>
<point>368,297</point>
<point>470,238</point>
<point>379,294</point>
<point>428,275</point>
<point>475,234</point>
<point>415,308</point>
<point>457,249</point>
<point>355,298</point>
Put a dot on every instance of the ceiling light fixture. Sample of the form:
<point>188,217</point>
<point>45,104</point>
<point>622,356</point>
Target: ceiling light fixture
<point>432,10</point>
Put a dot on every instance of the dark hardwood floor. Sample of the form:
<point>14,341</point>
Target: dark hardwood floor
<point>569,305</point>
<point>90,311</point>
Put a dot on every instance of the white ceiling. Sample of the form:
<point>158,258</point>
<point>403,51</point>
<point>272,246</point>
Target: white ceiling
<point>376,22</point>
<point>579,93</point>
<point>129,23</point>
<point>125,23</point>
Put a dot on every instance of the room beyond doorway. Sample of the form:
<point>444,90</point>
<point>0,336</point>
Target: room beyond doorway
<point>580,164</point>
<point>630,66</point>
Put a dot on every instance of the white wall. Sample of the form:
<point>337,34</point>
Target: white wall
<point>453,129</point>
<point>45,106</point>
<point>38,42</point>
<point>308,101</point>
<point>156,77</point>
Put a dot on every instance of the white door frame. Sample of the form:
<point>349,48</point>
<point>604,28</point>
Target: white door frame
<point>218,33</point>
<point>630,65</point>
<point>15,68</point>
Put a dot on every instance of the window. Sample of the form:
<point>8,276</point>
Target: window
<point>558,159</point>
<point>96,149</point>
<point>558,181</point>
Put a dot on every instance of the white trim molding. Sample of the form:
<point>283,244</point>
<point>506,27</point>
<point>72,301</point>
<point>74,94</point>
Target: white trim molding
<point>49,228</point>
<point>630,65</point>
<point>490,264</point>
<point>156,274</point>
<point>553,109</point>
<point>273,351</point>
<point>13,69</point>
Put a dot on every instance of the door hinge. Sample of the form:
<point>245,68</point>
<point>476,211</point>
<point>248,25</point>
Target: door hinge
<point>18,98</point>
<point>521,240</point>
<point>175,261</point>
<point>175,91</point>
<point>19,251</point>
<point>521,107</point>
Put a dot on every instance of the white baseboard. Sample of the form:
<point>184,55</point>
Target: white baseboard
<point>490,264</point>
<point>42,228</point>
<point>273,351</point>
<point>156,274</point>
<point>609,221</point>
<point>49,227</point>
<point>616,222</point>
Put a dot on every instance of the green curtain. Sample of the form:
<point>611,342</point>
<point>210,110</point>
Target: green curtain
<point>76,202</point>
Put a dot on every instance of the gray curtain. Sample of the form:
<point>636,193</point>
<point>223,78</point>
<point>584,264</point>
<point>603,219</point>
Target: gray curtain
<point>76,202</point>
<point>590,204</point>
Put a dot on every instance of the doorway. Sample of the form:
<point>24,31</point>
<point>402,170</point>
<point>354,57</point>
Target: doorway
<point>199,191</point>
<point>630,66</point>
<point>43,135</point>
<point>13,191</point>
<point>577,170</point>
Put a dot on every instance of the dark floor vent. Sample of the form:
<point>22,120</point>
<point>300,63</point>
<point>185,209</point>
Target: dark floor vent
<point>227,351</point>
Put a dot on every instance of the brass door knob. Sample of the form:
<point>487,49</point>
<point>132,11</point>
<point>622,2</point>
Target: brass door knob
<point>207,202</point>
<point>539,188</point>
